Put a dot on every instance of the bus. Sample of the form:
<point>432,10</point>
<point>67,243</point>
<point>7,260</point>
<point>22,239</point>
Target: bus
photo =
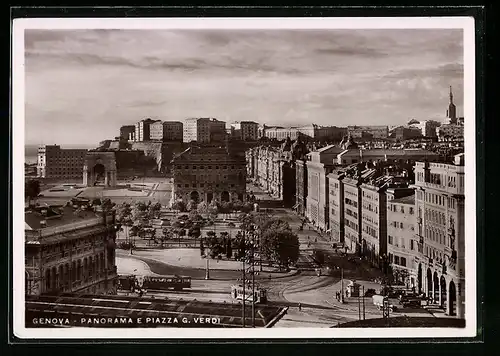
<point>260,296</point>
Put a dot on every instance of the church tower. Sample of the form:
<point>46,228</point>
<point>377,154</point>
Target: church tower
<point>451,113</point>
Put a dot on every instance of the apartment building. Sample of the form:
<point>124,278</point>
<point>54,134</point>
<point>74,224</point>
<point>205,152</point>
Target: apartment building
<point>56,162</point>
<point>69,251</point>
<point>440,230</point>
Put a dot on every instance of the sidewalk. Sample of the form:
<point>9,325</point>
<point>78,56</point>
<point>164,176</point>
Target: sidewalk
<point>185,258</point>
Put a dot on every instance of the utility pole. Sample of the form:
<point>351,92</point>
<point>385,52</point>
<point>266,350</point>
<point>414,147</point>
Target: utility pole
<point>207,271</point>
<point>342,285</point>
<point>359,307</point>
<point>253,279</point>
<point>243,278</point>
<point>364,315</point>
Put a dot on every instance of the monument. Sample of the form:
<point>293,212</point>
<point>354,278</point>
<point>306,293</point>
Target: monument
<point>99,169</point>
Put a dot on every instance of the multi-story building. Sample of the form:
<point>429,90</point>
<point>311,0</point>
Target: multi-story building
<point>336,203</point>
<point>379,131</point>
<point>374,219</point>
<point>319,164</point>
<point>440,230</point>
<point>352,214</point>
<point>405,133</point>
<point>245,130</point>
<point>300,186</point>
<point>281,133</point>
<point>56,162</point>
<point>127,132</point>
<point>204,130</point>
<point>402,246</point>
<point>208,173</point>
<point>69,251</point>
<point>143,130</point>
<point>273,168</point>
<point>428,127</point>
<point>450,132</point>
<point>320,133</point>
<point>156,131</point>
<point>351,156</point>
<point>172,131</point>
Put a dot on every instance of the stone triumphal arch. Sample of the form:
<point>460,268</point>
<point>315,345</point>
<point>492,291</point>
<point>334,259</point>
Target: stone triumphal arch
<point>99,168</point>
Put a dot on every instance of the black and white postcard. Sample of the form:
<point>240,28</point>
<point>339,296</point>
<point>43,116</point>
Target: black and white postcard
<point>244,178</point>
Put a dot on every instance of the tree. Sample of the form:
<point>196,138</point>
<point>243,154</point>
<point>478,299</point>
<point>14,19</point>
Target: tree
<point>154,211</point>
<point>124,217</point>
<point>32,190</point>
<point>179,205</point>
<point>213,209</point>
<point>280,246</point>
<point>194,232</point>
<point>202,248</point>
<point>202,208</point>
<point>107,205</point>
<point>229,248</point>
<point>152,235</point>
<point>191,205</point>
<point>166,235</point>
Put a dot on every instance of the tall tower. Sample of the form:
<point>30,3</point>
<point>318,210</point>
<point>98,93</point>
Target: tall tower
<point>451,113</point>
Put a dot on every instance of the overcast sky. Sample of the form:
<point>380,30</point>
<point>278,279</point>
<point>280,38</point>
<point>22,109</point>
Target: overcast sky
<point>82,85</point>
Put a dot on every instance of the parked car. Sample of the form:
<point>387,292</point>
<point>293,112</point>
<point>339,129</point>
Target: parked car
<point>380,300</point>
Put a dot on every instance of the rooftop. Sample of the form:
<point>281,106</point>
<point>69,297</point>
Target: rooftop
<point>410,200</point>
<point>230,314</point>
<point>55,216</point>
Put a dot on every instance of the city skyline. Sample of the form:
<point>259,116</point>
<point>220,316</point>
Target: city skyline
<point>277,77</point>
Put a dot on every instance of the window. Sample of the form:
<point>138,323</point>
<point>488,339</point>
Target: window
<point>402,209</point>
<point>403,261</point>
<point>186,185</point>
<point>412,245</point>
<point>396,260</point>
<point>411,211</point>
<point>391,241</point>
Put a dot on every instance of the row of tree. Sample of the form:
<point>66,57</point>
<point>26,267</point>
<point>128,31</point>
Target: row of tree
<point>214,207</point>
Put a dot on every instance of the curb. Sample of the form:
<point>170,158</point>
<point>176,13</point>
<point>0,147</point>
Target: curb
<point>144,259</point>
<point>277,318</point>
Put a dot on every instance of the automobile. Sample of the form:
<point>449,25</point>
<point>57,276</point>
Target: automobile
<point>370,292</point>
<point>380,300</point>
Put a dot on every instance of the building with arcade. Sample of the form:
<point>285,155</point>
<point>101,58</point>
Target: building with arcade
<point>69,250</point>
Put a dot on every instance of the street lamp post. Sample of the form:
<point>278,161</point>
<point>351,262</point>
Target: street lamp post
<point>207,270</point>
<point>253,279</point>
<point>342,285</point>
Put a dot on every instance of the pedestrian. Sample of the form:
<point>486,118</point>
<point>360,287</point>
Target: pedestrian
<point>300,307</point>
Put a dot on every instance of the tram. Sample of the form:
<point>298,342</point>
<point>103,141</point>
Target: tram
<point>131,283</point>
<point>259,297</point>
<point>166,282</point>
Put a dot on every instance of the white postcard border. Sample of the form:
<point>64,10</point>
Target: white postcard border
<point>18,27</point>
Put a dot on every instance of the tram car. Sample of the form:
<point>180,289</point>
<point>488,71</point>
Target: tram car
<point>166,282</point>
<point>259,297</point>
<point>127,283</point>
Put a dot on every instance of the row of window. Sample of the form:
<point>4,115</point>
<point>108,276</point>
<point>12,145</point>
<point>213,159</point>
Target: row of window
<point>435,217</point>
<point>351,224</point>
<point>370,231</point>
<point>351,213</point>
<point>397,260</point>
<point>351,202</point>
<point>396,208</point>
<point>436,235</point>
<point>200,185</point>
<point>194,167</point>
